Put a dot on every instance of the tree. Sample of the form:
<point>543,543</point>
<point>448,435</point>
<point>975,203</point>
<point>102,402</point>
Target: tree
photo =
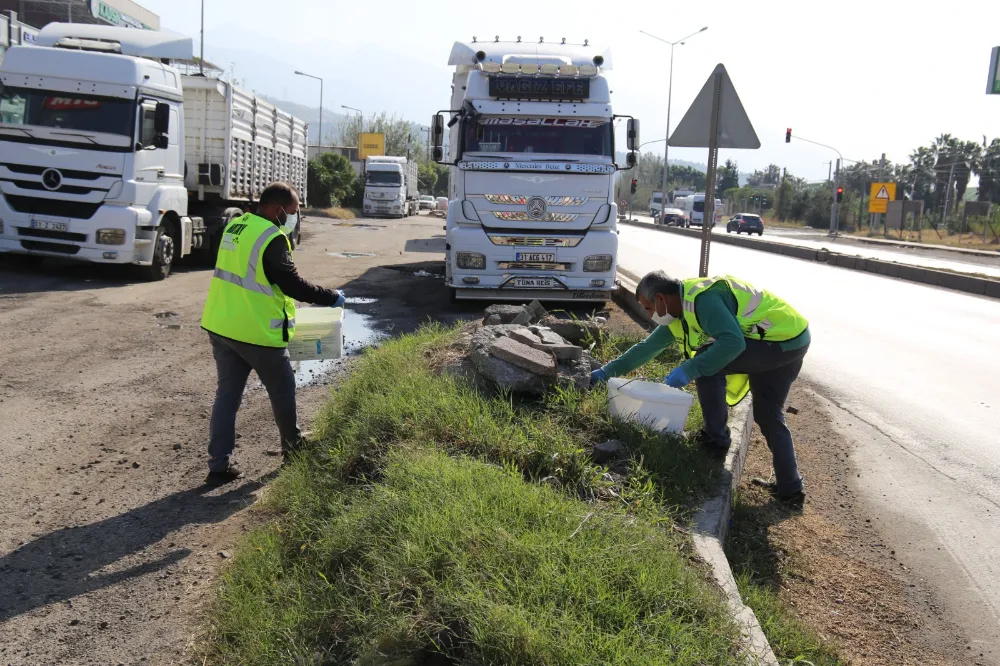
<point>399,134</point>
<point>427,177</point>
<point>988,170</point>
<point>331,180</point>
<point>729,177</point>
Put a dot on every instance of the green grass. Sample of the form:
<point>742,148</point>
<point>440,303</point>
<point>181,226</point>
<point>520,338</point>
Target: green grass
<point>438,525</point>
<point>759,570</point>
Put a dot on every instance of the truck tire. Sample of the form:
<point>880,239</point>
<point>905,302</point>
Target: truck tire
<point>165,249</point>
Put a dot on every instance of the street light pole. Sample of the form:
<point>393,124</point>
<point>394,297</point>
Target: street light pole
<point>670,94</point>
<point>360,114</point>
<point>201,57</point>
<point>319,144</point>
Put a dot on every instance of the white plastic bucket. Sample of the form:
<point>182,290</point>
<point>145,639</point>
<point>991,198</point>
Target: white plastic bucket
<point>656,405</point>
<point>319,334</point>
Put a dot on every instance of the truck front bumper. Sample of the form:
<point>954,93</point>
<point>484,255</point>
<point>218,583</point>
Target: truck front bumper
<point>76,239</point>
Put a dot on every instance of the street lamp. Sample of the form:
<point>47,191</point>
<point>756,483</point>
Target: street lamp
<point>359,112</point>
<point>319,150</point>
<point>670,93</point>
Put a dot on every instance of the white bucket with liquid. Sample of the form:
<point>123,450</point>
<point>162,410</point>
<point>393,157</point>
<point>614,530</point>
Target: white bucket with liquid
<point>319,334</point>
<point>654,404</point>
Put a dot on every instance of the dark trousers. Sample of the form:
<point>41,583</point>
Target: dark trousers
<point>772,372</point>
<point>234,361</point>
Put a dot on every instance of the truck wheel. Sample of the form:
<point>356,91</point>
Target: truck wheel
<point>165,249</point>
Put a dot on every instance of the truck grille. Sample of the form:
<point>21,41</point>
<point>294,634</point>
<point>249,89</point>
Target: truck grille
<point>514,216</point>
<point>41,246</point>
<point>63,189</point>
<point>54,235</point>
<point>79,210</point>
<point>66,173</point>
<point>532,241</point>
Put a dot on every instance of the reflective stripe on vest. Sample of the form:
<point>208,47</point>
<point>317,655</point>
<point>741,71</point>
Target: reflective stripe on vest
<point>250,281</point>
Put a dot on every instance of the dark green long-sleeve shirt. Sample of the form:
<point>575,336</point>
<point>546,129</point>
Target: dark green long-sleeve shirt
<point>716,312</point>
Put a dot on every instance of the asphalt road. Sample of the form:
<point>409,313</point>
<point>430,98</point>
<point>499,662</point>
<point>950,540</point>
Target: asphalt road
<point>911,375</point>
<point>929,258</point>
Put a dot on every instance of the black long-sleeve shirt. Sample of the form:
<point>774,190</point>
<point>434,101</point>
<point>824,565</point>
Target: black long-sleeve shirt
<point>280,270</point>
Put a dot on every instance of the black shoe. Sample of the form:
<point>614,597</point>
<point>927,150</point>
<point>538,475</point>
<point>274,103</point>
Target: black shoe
<point>793,500</point>
<point>710,447</point>
<point>230,474</point>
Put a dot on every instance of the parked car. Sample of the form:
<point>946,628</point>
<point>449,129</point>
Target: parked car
<point>673,217</point>
<point>427,202</point>
<point>745,222</point>
<point>442,205</point>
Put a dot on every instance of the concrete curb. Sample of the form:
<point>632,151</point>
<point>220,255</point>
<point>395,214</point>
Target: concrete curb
<point>970,284</point>
<point>711,523</point>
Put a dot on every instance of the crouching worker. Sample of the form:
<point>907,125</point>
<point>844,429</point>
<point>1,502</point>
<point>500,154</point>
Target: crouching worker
<point>737,338</point>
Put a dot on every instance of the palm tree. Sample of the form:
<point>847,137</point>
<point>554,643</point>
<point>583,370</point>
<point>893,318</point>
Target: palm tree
<point>988,170</point>
<point>922,173</point>
<point>969,154</point>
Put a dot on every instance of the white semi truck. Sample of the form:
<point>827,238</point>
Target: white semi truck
<point>532,144</point>
<point>390,187</point>
<point>110,155</point>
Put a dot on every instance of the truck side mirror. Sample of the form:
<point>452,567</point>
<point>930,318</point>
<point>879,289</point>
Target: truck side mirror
<point>161,125</point>
<point>631,159</point>
<point>437,130</point>
<point>633,134</point>
<point>438,154</point>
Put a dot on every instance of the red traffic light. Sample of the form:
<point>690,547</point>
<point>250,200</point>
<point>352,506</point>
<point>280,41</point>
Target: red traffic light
<point>635,181</point>
<point>788,135</point>
<point>840,190</point>
<point>840,193</point>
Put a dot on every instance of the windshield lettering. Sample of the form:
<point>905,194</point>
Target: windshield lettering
<point>550,136</point>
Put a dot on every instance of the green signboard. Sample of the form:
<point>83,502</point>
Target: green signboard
<point>993,83</point>
<point>113,16</point>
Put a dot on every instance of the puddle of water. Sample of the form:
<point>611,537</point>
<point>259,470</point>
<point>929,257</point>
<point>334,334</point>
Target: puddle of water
<point>307,372</point>
<point>165,315</point>
<point>172,327</point>
<point>359,300</point>
<point>350,255</point>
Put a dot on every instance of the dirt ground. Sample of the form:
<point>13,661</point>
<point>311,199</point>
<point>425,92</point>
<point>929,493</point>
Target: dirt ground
<point>110,541</point>
<point>831,565</point>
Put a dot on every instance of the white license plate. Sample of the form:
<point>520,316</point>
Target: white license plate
<point>532,283</point>
<point>49,226</point>
<point>535,256</point>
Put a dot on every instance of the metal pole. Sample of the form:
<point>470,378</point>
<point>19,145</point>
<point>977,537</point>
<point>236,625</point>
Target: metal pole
<point>201,57</point>
<point>708,218</point>
<point>666,144</point>
<point>835,208</point>
<point>320,142</point>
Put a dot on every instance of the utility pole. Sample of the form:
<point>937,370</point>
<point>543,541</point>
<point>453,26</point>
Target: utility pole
<point>947,194</point>
<point>201,57</point>
<point>829,171</point>
<point>835,209</point>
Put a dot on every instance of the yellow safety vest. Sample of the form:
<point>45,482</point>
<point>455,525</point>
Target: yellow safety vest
<point>242,305</point>
<point>761,316</point>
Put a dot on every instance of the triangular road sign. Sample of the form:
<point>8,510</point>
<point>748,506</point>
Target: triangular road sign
<point>883,193</point>
<point>735,129</point>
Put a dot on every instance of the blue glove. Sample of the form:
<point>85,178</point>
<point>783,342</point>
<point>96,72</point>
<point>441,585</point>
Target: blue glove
<point>340,299</point>
<point>598,376</point>
<point>677,378</point>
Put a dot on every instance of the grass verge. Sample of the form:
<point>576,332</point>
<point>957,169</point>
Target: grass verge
<point>439,525</point>
<point>759,571</point>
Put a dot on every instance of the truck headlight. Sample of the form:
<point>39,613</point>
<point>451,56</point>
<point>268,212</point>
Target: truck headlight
<point>470,260</point>
<point>110,236</point>
<point>597,263</point>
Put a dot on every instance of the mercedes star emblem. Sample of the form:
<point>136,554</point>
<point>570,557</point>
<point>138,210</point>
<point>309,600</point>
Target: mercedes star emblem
<point>51,179</point>
<point>536,208</point>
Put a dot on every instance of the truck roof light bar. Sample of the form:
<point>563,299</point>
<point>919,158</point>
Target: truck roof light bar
<point>89,45</point>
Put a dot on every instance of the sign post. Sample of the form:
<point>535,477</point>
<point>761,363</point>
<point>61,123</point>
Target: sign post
<point>716,119</point>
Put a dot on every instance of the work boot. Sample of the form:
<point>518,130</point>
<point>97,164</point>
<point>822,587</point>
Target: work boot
<point>228,475</point>
<point>791,500</point>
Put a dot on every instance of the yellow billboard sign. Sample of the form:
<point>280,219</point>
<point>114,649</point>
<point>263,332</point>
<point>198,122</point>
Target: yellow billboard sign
<point>881,195</point>
<point>370,144</point>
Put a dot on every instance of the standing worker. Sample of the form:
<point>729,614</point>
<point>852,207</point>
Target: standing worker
<point>250,319</point>
<point>737,338</point>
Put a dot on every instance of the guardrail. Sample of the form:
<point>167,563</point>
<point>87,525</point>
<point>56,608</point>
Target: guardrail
<point>970,284</point>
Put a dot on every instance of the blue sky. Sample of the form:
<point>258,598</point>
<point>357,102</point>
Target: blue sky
<point>866,77</point>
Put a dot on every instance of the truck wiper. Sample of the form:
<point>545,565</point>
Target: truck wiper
<point>83,136</point>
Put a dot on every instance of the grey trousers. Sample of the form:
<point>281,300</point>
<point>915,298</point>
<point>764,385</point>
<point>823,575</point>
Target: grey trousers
<point>772,372</point>
<point>234,361</point>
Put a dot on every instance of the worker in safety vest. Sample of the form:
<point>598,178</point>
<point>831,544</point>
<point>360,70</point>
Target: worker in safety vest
<point>737,339</point>
<point>250,319</point>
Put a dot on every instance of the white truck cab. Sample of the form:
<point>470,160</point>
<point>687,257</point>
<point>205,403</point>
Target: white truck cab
<point>390,187</point>
<point>532,145</point>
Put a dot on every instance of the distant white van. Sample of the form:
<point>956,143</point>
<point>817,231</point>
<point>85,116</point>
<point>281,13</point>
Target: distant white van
<point>694,208</point>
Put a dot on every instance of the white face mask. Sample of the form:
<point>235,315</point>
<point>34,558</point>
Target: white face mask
<point>662,320</point>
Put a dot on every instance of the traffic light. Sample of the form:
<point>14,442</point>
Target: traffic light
<point>840,194</point>
<point>788,135</point>
<point>635,185</point>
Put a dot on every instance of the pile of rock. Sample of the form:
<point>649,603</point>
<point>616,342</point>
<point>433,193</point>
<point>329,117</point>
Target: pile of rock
<point>527,350</point>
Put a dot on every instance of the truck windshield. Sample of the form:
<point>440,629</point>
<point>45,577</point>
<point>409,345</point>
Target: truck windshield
<point>524,134</point>
<point>70,111</point>
<point>389,178</point>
